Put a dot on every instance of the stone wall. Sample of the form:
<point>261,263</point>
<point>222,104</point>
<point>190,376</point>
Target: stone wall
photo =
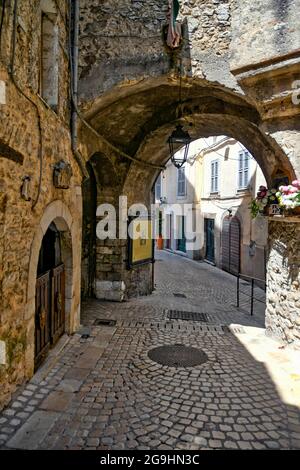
<point>283,281</point>
<point>263,29</point>
<point>126,43</point>
<point>32,139</point>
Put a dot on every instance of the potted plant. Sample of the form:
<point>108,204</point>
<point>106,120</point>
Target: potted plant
<point>264,199</point>
<point>289,197</point>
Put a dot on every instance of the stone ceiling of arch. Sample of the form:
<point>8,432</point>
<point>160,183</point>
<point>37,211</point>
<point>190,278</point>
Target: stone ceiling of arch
<point>140,121</point>
<point>126,121</point>
<point>154,149</point>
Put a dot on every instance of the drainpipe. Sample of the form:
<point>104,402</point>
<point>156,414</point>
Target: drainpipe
<point>74,47</point>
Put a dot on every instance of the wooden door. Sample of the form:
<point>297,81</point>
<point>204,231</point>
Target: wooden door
<point>57,303</point>
<point>42,317</point>
<point>181,242</point>
<point>231,242</point>
<point>210,240</point>
<point>50,311</point>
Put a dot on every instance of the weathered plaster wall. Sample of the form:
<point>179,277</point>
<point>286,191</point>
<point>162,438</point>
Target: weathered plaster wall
<point>21,124</point>
<point>263,29</point>
<point>283,281</point>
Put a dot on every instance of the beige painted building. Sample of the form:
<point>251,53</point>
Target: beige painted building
<point>230,179</point>
<point>216,184</point>
<point>177,192</point>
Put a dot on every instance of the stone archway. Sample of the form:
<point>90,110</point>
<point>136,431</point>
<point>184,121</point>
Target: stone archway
<point>58,213</point>
<point>138,120</point>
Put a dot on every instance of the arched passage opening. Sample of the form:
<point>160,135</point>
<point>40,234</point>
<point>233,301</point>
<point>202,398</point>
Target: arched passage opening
<point>139,122</point>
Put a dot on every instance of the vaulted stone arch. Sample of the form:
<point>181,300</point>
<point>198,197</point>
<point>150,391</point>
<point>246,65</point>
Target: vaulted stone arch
<point>138,119</point>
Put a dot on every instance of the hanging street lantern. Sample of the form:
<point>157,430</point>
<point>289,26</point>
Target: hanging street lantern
<point>179,137</point>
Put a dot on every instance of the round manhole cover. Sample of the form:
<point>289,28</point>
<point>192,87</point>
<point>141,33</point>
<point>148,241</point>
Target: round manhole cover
<point>177,355</point>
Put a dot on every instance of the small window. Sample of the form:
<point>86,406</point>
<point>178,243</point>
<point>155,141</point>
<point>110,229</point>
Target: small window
<point>214,176</point>
<point>243,177</point>
<point>49,55</point>
<point>158,187</point>
<point>181,182</point>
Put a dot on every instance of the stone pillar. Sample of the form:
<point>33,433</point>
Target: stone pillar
<point>109,283</point>
<point>283,280</point>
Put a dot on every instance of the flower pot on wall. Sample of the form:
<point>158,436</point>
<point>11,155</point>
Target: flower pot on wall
<point>292,212</point>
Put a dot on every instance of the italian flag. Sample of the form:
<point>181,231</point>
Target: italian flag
<point>174,31</point>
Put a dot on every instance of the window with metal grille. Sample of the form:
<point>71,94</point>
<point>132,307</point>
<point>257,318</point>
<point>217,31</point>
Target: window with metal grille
<point>243,178</point>
<point>214,188</point>
<point>181,182</point>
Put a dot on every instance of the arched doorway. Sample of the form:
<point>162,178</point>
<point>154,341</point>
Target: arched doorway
<point>231,245</point>
<point>57,215</point>
<point>50,295</point>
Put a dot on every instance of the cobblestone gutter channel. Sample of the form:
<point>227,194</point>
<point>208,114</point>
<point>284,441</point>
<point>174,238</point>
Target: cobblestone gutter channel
<point>104,392</point>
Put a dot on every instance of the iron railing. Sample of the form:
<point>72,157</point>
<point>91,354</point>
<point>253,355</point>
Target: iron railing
<point>253,281</point>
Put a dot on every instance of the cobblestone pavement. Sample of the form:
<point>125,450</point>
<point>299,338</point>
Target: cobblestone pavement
<point>207,289</point>
<point>99,390</point>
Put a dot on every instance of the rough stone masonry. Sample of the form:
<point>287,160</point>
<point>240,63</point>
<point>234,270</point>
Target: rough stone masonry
<point>238,60</point>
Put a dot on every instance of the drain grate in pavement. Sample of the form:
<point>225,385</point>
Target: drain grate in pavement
<point>174,326</point>
<point>177,294</point>
<point>182,315</point>
<point>104,322</point>
<point>177,355</point>
<point>238,329</point>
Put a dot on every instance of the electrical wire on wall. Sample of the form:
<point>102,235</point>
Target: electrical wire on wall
<point>12,76</point>
<point>2,22</point>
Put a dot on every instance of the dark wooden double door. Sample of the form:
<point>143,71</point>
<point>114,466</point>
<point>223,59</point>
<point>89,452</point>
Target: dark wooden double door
<point>209,228</point>
<point>50,296</point>
<point>231,243</point>
<point>50,311</point>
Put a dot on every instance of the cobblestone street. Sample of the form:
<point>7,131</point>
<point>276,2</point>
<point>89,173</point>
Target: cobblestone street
<point>99,389</point>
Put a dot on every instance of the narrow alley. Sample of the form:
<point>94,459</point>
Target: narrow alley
<point>225,385</point>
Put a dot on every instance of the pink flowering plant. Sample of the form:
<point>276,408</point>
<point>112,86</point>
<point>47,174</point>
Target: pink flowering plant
<point>289,196</point>
<point>264,198</point>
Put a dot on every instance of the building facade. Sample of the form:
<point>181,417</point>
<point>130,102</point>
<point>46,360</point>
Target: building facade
<point>230,180</point>
<point>177,192</point>
<point>214,188</point>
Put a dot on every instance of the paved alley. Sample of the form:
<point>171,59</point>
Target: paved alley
<point>99,389</point>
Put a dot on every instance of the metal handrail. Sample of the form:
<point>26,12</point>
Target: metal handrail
<point>238,290</point>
